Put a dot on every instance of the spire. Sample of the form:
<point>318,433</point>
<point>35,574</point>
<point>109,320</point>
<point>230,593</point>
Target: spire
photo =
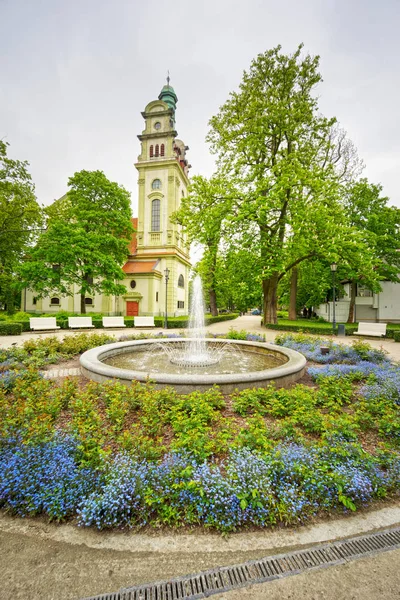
<point>168,95</point>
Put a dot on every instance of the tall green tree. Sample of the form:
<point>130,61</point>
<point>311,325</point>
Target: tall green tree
<point>202,214</point>
<point>269,137</point>
<point>86,241</point>
<point>368,210</point>
<point>20,217</point>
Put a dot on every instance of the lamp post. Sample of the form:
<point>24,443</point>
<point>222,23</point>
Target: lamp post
<point>166,273</point>
<point>333,269</point>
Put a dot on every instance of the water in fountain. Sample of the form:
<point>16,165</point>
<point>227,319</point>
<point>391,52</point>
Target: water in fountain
<point>196,353</point>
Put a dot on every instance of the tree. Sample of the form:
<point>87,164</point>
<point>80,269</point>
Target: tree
<point>86,240</point>
<point>20,216</point>
<point>270,137</point>
<point>202,214</point>
<point>379,224</point>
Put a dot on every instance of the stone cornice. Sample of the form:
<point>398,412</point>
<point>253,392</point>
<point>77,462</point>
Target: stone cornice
<point>158,134</point>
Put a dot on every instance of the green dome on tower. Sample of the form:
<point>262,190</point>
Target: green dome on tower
<point>168,95</point>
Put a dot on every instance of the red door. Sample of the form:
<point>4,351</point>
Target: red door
<point>132,309</point>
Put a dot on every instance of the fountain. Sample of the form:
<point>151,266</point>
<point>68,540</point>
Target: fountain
<point>194,363</point>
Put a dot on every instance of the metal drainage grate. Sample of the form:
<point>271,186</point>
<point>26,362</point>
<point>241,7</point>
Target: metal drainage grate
<point>224,579</point>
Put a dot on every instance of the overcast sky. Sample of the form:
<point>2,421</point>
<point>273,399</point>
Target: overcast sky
<point>75,75</point>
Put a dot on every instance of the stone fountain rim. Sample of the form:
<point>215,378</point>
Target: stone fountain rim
<point>91,361</point>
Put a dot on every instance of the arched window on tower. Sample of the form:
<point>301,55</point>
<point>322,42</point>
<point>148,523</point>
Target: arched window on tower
<point>162,150</point>
<point>157,152</point>
<point>151,151</point>
<point>181,281</point>
<point>155,215</point>
<point>156,184</point>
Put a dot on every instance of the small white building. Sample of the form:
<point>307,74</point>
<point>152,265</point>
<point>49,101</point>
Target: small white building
<point>378,307</point>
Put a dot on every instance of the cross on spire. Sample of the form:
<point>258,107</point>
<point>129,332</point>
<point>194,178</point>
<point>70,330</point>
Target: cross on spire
<point>168,78</point>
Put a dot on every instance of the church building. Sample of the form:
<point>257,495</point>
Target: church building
<point>157,267</point>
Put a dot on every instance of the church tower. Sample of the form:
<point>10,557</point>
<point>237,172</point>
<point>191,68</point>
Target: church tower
<point>160,244</point>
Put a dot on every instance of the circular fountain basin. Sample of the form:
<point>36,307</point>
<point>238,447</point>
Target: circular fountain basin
<point>291,367</point>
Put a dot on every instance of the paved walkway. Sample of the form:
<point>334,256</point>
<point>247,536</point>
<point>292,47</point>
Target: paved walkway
<point>43,561</point>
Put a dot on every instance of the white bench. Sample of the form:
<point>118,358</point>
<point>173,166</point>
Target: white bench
<point>143,321</point>
<point>113,322</point>
<point>372,329</point>
<point>80,322</point>
<point>43,323</point>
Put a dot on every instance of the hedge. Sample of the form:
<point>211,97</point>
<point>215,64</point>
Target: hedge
<point>10,328</point>
<point>306,328</point>
<point>182,323</point>
<point>173,322</point>
<point>324,330</point>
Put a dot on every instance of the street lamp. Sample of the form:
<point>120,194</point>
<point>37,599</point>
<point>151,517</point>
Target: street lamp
<point>166,273</point>
<point>333,269</point>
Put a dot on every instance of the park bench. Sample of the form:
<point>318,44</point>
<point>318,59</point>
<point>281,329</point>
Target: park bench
<point>113,322</point>
<point>372,329</point>
<point>80,322</point>
<point>43,323</point>
<point>143,321</point>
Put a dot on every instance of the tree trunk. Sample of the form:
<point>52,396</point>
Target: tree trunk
<point>10,302</point>
<point>83,305</point>
<point>352,301</point>
<point>213,303</point>
<point>270,299</point>
<point>293,294</point>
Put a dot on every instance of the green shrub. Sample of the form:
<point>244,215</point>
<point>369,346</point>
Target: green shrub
<point>309,327</point>
<point>98,323</point>
<point>10,328</point>
<point>24,325</point>
<point>396,336</point>
<point>19,316</point>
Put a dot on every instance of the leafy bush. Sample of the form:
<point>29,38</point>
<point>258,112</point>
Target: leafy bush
<point>10,328</point>
<point>308,327</point>
<point>396,336</point>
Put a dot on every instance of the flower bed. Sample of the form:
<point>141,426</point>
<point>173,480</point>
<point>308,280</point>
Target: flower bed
<point>111,456</point>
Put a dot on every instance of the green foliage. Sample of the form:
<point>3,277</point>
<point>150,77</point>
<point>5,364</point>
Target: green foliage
<point>10,328</point>
<point>334,392</point>
<point>255,435</point>
<point>202,214</point>
<point>396,336</point>
<point>236,335</point>
<point>306,325</point>
<point>20,216</point>
<point>87,239</point>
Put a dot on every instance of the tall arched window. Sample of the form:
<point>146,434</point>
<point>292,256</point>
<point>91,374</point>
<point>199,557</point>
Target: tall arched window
<point>156,184</point>
<point>162,150</point>
<point>181,281</point>
<point>151,151</point>
<point>155,215</point>
<point>157,150</point>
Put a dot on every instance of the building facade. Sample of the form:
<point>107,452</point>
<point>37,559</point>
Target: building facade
<point>383,306</point>
<point>159,246</point>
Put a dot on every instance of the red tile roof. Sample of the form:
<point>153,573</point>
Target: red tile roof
<point>139,266</point>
